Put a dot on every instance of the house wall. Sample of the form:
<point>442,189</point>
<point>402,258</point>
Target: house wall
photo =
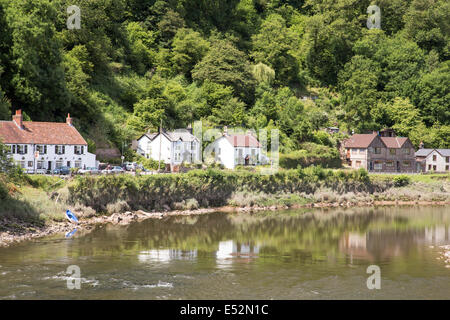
<point>225,155</point>
<point>50,160</point>
<point>150,150</point>
<point>247,151</point>
<point>438,165</point>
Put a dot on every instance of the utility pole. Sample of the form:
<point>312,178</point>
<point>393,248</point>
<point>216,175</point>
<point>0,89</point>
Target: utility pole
<point>160,132</point>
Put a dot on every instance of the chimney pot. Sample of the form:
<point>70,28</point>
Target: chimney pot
<point>18,118</point>
<point>69,119</point>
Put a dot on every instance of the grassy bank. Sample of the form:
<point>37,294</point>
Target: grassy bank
<point>42,199</point>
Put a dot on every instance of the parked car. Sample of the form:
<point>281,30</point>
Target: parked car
<point>61,170</point>
<point>89,170</point>
<point>117,169</point>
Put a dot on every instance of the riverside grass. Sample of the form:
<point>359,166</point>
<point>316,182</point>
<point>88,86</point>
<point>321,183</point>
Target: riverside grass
<point>212,188</point>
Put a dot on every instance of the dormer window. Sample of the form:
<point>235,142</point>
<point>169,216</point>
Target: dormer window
<point>60,150</point>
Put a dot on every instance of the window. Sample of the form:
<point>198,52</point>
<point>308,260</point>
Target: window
<point>406,151</point>
<point>22,149</point>
<point>354,151</point>
<point>8,149</point>
<point>434,157</point>
<point>40,164</point>
<point>178,146</point>
<point>389,164</point>
<point>406,163</point>
<point>193,145</point>
<point>429,167</point>
<point>377,151</point>
<point>358,164</point>
<point>21,164</point>
<point>77,164</point>
<point>30,164</point>
<point>447,159</point>
<point>392,152</point>
<point>79,149</point>
<point>434,168</point>
<point>60,149</point>
<point>59,163</point>
<point>362,150</point>
<point>447,168</point>
<point>378,165</point>
<point>41,149</point>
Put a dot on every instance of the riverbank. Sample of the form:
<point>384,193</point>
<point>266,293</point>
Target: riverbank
<point>35,208</point>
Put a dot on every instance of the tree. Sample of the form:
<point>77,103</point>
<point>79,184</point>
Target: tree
<point>189,48</point>
<point>432,95</point>
<point>427,22</point>
<point>272,46</point>
<point>225,64</point>
<point>404,115</point>
<point>37,76</point>
<point>358,83</point>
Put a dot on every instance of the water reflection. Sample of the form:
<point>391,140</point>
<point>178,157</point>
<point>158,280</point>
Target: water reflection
<point>289,254</point>
<point>166,255</point>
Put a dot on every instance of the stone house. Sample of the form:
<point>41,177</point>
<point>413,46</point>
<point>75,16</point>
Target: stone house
<point>380,154</point>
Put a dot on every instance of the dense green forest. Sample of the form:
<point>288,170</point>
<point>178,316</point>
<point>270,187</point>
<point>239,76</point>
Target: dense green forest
<point>242,63</point>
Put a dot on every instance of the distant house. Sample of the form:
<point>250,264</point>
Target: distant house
<point>174,147</point>
<point>436,160</point>
<point>380,154</point>
<point>236,149</point>
<point>45,145</point>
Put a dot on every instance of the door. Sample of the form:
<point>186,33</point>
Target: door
<point>370,166</point>
<point>398,166</point>
<point>49,165</point>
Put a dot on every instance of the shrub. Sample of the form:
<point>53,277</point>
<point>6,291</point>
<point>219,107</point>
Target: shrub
<point>401,180</point>
<point>311,154</point>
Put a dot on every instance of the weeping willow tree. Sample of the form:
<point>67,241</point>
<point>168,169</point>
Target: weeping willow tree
<point>263,73</point>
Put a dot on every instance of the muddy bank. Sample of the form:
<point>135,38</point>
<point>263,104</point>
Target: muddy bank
<point>13,230</point>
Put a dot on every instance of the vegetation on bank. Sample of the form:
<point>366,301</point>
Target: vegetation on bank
<point>41,199</point>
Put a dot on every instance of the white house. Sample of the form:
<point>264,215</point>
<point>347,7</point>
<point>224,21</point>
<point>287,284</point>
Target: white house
<point>45,145</point>
<point>436,160</point>
<point>172,148</point>
<point>236,149</point>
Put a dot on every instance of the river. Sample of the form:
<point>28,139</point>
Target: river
<point>292,254</point>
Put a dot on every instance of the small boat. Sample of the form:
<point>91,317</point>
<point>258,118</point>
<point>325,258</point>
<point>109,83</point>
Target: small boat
<point>71,216</point>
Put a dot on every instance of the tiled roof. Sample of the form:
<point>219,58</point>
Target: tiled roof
<point>444,152</point>
<point>423,152</point>
<point>359,140</point>
<point>242,140</point>
<point>183,135</point>
<point>394,142</point>
<point>40,133</point>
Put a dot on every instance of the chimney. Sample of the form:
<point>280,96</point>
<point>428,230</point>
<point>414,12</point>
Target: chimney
<point>225,130</point>
<point>247,141</point>
<point>189,128</point>
<point>235,141</point>
<point>18,119</point>
<point>69,119</point>
<point>421,145</point>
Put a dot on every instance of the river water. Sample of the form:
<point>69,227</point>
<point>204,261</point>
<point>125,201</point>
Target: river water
<point>293,254</point>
